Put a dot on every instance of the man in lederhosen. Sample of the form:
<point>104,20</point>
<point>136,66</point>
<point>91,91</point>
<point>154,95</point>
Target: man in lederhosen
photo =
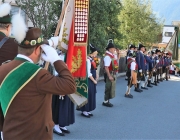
<point>111,67</point>
<point>132,69</point>
<point>157,58</point>
<point>131,50</point>
<point>154,70</point>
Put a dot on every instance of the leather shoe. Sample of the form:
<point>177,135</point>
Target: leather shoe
<point>56,132</point>
<point>144,88</point>
<point>87,116</point>
<point>128,96</point>
<point>108,104</point>
<point>149,85</point>
<point>90,114</point>
<point>137,90</point>
<point>65,131</point>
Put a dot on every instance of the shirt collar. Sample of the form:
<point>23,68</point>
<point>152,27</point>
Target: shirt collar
<point>89,57</point>
<point>25,57</point>
<point>141,52</point>
<point>109,53</point>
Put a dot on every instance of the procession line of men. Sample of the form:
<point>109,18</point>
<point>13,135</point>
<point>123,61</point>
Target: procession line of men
<point>145,69</point>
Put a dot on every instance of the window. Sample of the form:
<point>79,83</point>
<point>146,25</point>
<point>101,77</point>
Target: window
<point>168,34</point>
<point>15,10</point>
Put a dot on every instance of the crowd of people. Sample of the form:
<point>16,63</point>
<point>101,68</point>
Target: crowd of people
<point>146,68</point>
<point>34,92</point>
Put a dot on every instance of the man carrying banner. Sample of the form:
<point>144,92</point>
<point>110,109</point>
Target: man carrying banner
<point>25,94</point>
<point>111,67</point>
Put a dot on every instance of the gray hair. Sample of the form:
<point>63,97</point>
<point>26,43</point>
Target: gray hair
<point>3,25</point>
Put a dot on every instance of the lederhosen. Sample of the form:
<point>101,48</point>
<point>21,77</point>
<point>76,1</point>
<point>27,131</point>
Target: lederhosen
<point>129,61</point>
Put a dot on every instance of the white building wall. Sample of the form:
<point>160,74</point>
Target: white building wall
<point>168,32</point>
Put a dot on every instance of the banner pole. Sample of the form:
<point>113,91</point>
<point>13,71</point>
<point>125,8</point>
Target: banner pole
<point>59,25</point>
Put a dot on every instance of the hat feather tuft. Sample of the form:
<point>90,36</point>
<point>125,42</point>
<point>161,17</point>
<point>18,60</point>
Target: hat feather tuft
<point>4,9</point>
<point>19,28</point>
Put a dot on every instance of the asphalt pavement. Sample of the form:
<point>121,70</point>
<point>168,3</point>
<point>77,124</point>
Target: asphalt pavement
<point>151,114</point>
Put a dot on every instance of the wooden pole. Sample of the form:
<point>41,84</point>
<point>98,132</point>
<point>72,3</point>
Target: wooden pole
<point>59,25</point>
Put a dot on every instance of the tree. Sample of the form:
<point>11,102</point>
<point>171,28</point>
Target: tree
<point>104,23</point>
<point>138,23</point>
<point>43,14</point>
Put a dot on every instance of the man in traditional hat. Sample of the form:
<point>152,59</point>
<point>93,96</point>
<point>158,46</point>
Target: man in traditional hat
<point>26,89</point>
<point>8,48</point>
<point>132,74</point>
<point>148,69</point>
<point>131,50</point>
<point>111,67</point>
<point>157,58</point>
<point>154,70</point>
<point>141,66</point>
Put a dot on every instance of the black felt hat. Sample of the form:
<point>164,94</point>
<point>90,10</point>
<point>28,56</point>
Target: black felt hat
<point>141,46</point>
<point>110,45</point>
<point>131,46</point>
<point>92,48</point>
<point>157,51</point>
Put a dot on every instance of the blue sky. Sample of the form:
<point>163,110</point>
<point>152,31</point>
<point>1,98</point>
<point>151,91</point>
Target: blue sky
<point>167,9</point>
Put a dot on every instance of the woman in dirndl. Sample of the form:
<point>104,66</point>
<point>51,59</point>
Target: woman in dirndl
<point>62,111</point>
<point>63,114</point>
<point>92,81</point>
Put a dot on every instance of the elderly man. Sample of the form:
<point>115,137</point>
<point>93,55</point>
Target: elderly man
<point>26,89</point>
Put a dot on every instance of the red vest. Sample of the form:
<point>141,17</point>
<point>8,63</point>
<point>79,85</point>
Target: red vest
<point>114,64</point>
<point>129,61</point>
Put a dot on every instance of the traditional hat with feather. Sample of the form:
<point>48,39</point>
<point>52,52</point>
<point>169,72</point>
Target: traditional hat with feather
<point>93,48</point>
<point>26,38</point>
<point>5,9</point>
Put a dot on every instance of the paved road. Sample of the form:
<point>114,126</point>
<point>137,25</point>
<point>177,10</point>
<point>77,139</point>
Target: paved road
<point>152,114</point>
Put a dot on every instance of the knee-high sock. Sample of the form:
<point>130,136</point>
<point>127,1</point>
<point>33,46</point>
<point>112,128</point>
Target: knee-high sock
<point>142,84</point>
<point>152,79</point>
<point>1,135</point>
<point>146,80</point>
